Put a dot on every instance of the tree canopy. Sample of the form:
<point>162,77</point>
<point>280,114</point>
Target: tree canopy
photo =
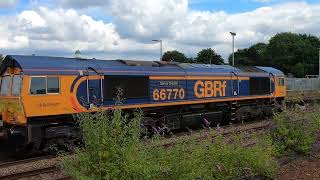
<point>205,56</point>
<point>250,56</point>
<point>289,52</point>
<point>209,56</point>
<point>174,56</point>
<point>1,58</point>
<point>77,54</point>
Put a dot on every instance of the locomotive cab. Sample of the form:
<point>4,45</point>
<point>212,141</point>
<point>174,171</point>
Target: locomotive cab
<point>280,90</point>
<point>11,109</point>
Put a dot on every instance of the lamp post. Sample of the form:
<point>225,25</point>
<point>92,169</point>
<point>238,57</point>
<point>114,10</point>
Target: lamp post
<point>160,42</point>
<point>233,34</point>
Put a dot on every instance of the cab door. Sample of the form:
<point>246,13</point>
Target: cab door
<point>272,84</point>
<point>94,88</point>
<point>235,86</point>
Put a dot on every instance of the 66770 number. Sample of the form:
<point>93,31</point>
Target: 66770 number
<point>168,94</point>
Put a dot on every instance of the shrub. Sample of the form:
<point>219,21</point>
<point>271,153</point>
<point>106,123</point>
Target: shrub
<point>217,160</point>
<point>295,131</point>
<point>113,150</point>
<point>111,146</point>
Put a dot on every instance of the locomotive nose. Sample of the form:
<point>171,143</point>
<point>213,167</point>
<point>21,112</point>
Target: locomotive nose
<point>10,109</point>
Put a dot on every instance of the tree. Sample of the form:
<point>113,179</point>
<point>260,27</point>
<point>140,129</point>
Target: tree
<point>175,56</point>
<point>1,58</point>
<point>289,52</point>
<point>208,56</point>
<point>250,56</point>
<point>294,53</point>
<point>77,54</point>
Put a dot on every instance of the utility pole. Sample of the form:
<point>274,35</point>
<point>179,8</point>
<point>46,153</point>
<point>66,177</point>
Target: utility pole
<point>160,42</point>
<point>233,34</point>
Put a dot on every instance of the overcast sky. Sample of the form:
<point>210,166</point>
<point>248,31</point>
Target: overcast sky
<point>115,29</point>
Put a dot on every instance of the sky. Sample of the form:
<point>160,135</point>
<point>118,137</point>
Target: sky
<point>124,29</point>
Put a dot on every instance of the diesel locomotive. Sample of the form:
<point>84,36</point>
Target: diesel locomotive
<point>40,95</point>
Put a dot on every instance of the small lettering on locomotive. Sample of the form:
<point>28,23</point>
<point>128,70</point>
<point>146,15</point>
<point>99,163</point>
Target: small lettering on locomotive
<point>169,83</point>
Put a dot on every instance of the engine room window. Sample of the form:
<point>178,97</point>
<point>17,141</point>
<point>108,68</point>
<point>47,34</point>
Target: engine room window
<point>131,87</point>
<point>38,85</point>
<point>53,85</point>
<point>16,85</point>
<point>5,85</point>
<point>259,85</point>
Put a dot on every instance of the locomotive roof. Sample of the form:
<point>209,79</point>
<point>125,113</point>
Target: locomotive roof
<point>40,65</point>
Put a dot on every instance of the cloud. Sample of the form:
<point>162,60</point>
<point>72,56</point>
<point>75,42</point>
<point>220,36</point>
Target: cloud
<point>8,3</point>
<point>43,31</point>
<point>145,20</point>
<point>173,21</point>
<point>135,24</point>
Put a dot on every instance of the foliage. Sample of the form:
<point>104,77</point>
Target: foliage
<point>205,56</point>
<point>212,160</point>
<point>77,54</point>
<point>209,56</point>
<point>295,131</point>
<point>111,147</point>
<point>1,58</point>
<point>175,56</point>
<point>290,52</point>
<point>253,55</point>
<point>113,150</point>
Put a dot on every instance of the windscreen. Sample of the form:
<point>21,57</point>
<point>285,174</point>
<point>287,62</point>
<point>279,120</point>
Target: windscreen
<point>5,85</point>
<point>16,85</point>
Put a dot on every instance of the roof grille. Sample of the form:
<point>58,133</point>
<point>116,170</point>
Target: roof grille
<point>250,69</point>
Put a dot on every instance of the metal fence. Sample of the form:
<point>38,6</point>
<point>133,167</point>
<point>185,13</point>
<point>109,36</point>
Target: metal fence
<point>302,84</point>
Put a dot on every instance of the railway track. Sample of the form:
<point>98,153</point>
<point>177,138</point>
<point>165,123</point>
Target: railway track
<point>199,135</point>
<point>26,174</point>
<point>33,167</point>
<point>12,163</point>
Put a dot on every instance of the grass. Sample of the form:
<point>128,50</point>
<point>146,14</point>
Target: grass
<point>113,150</point>
<point>295,131</point>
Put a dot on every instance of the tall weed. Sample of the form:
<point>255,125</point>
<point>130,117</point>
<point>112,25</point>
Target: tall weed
<point>113,150</point>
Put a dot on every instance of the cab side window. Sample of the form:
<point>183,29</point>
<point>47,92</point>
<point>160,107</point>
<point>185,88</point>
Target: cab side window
<point>38,85</point>
<point>44,85</point>
<point>53,85</point>
<point>281,82</point>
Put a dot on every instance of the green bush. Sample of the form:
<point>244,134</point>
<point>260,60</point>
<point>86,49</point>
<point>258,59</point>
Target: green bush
<point>295,131</point>
<point>113,150</point>
<point>213,160</point>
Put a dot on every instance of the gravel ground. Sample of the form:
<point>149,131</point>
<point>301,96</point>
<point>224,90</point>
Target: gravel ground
<point>300,168</point>
<point>27,166</point>
<point>47,176</point>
